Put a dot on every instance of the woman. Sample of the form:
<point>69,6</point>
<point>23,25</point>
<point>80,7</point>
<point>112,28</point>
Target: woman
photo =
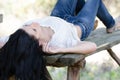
<point>70,23</point>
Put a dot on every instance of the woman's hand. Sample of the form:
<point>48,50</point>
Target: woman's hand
<point>54,50</point>
<point>51,49</point>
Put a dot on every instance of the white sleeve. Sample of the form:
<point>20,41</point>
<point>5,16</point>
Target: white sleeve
<point>4,39</point>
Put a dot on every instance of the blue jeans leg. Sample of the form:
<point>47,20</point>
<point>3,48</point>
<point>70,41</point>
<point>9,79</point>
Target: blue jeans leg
<point>64,8</point>
<point>86,16</point>
<point>105,16</point>
<point>102,14</point>
<point>86,13</point>
<point>79,6</point>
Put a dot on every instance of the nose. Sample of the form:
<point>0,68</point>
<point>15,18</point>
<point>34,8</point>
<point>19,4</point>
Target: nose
<point>34,24</point>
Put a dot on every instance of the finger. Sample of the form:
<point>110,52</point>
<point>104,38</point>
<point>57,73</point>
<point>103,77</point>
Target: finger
<point>45,47</point>
<point>52,50</point>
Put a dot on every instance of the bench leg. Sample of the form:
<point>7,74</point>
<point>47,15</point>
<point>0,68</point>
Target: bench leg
<point>114,56</point>
<point>73,72</point>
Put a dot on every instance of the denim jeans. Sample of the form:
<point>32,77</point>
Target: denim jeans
<point>83,14</point>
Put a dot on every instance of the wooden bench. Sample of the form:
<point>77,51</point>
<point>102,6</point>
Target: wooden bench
<point>75,62</point>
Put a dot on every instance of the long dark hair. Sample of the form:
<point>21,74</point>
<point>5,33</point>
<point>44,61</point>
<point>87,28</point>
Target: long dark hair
<point>22,57</point>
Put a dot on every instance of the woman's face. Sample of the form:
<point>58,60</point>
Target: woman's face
<point>32,30</point>
<point>35,31</point>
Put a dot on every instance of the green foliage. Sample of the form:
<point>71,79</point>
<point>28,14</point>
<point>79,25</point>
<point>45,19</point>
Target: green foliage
<point>58,73</point>
<point>90,72</point>
<point>95,72</point>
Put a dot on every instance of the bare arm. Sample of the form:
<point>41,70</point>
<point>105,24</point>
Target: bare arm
<point>82,47</point>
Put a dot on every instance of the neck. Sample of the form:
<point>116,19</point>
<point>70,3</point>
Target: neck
<point>48,31</point>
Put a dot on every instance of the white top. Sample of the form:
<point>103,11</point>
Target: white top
<point>4,39</point>
<point>65,33</point>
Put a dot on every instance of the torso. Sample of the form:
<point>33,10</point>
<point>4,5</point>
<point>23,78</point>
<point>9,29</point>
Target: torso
<point>66,34</point>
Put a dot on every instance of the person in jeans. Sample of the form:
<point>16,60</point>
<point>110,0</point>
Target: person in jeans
<point>64,31</point>
<point>78,14</point>
<point>83,14</point>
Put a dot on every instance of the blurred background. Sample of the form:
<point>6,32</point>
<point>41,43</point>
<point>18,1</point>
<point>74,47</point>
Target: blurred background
<point>99,66</point>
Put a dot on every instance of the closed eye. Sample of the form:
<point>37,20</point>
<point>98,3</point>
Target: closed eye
<point>34,30</point>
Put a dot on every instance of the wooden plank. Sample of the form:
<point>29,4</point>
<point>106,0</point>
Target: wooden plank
<point>100,37</point>
<point>103,40</point>
<point>64,59</point>
<point>51,59</point>
<point>71,59</point>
